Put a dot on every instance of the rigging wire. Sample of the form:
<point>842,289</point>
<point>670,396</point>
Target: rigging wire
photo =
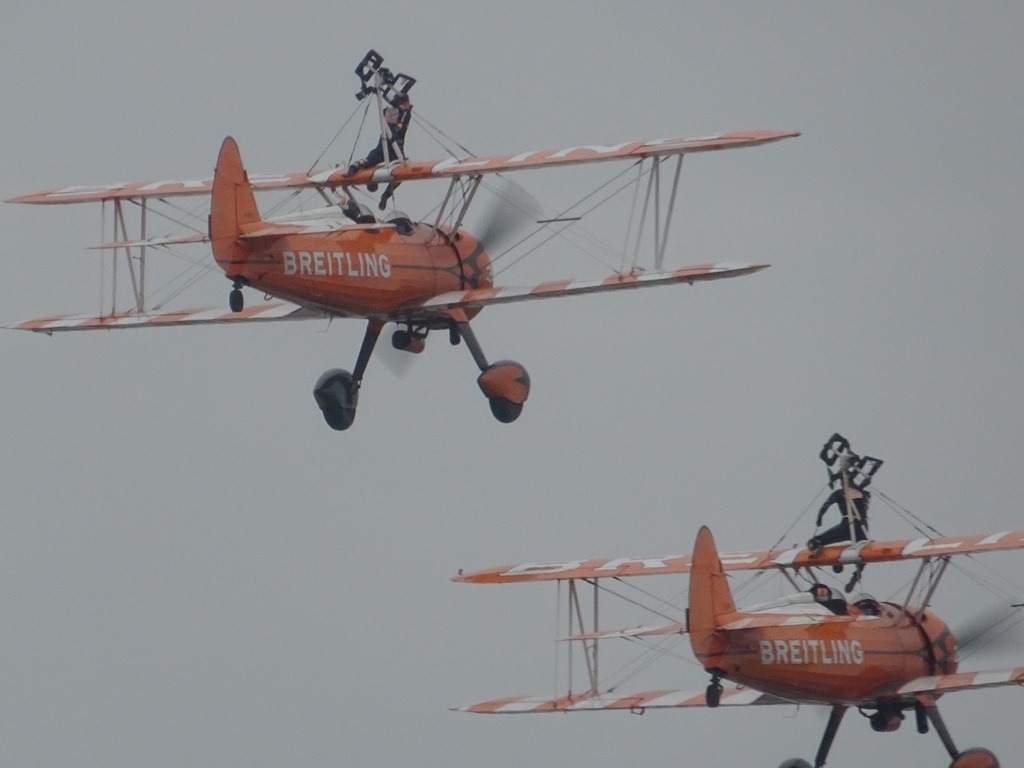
<point>336,135</point>
<point>630,600</point>
<point>653,652</point>
<point>173,220</point>
<point>418,117</point>
<point>745,587</point>
<point>561,215</point>
<point>671,602</point>
<point>1015,618</point>
<point>929,531</point>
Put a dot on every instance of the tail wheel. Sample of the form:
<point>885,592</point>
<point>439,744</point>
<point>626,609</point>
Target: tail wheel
<point>337,395</point>
<point>713,695</point>
<point>975,758</point>
<point>236,300</point>
<point>506,385</point>
<point>796,762</point>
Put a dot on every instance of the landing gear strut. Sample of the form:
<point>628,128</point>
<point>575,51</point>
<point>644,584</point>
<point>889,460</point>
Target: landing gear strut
<point>834,719</point>
<point>887,718</point>
<point>505,384</point>
<point>337,391</point>
<point>969,758</point>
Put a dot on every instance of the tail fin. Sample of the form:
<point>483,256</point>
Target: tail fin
<point>231,206</point>
<point>710,597</point>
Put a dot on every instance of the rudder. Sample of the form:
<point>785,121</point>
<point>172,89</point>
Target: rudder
<point>232,205</point>
<point>710,597</point>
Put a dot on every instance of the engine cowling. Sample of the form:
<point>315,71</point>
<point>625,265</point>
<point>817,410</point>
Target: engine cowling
<point>941,643</point>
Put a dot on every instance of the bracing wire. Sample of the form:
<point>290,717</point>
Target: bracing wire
<point>636,602</point>
<point>925,529</point>
<point>336,135</point>
<point>746,585</point>
<point>558,232</point>
<point>419,118</point>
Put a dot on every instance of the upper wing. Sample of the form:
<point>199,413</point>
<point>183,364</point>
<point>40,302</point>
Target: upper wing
<point>961,681</point>
<point>591,153</point>
<point>482,297</point>
<point>729,622</point>
<point>636,702</point>
<point>470,166</point>
<point>797,557</point>
<point>141,190</point>
<point>206,316</point>
<point>667,629</point>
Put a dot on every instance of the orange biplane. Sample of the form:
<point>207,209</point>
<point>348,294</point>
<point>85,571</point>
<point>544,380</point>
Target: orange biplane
<point>341,261</point>
<point>811,647</point>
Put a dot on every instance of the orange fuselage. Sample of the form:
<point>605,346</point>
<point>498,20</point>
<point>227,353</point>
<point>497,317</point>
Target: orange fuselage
<point>843,661</point>
<point>359,271</point>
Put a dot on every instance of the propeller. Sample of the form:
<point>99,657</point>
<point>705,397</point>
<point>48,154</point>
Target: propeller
<point>993,630</point>
<point>511,211</point>
<point>398,361</point>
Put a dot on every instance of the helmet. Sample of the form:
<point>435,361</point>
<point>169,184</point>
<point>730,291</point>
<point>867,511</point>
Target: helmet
<point>821,592</point>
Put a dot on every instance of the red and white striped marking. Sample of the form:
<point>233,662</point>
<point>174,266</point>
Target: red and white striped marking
<point>872,552</point>
<point>484,296</point>
<point>731,696</point>
<point>962,681</point>
<point>258,312</point>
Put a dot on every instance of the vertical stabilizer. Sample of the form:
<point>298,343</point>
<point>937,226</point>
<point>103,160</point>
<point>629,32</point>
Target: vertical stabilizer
<point>710,597</point>
<point>232,205</point>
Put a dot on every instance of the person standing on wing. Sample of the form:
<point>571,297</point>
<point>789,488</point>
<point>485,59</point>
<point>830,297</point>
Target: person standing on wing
<point>397,119</point>
<point>853,506</point>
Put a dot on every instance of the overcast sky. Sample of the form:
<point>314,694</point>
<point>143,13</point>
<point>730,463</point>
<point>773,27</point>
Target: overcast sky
<point>196,571</point>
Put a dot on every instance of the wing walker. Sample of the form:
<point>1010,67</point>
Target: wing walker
<point>341,261</point>
<point>884,659</point>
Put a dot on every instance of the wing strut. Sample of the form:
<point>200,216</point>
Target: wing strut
<point>138,279</point>
<point>578,624</point>
<point>465,205</point>
<point>661,215</point>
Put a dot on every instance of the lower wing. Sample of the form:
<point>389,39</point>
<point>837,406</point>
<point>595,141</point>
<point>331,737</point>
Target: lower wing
<point>482,297</point>
<point>204,316</point>
<point>430,307</point>
<point>635,702</point>
<point>960,681</point>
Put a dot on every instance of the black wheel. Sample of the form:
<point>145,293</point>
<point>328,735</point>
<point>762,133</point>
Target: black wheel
<point>401,339</point>
<point>236,300</point>
<point>713,695</point>
<point>796,762</point>
<point>504,410</point>
<point>337,395</point>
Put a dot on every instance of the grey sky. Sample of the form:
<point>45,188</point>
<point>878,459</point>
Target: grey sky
<point>196,571</point>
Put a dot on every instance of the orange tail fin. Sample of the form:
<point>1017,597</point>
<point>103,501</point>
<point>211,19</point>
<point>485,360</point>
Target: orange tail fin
<point>232,205</point>
<point>710,597</point>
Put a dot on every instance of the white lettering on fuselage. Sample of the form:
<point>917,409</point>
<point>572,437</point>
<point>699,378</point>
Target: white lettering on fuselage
<point>330,264</point>
<point>811,652</point>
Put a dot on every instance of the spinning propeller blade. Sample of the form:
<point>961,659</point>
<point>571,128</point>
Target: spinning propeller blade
<point>993,630</point>
<point>512,211</point>
<point>398,361</point>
